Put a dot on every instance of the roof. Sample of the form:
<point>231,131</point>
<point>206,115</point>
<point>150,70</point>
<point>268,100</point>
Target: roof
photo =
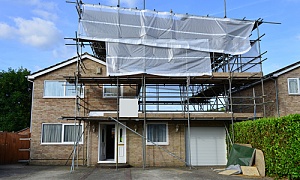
<point>63,64</point>
<point>283,70</point>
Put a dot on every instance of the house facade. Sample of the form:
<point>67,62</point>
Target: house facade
<point>52,140</point>
<point>99,139</point>
<point>281,92</point>
<point>157,90</point>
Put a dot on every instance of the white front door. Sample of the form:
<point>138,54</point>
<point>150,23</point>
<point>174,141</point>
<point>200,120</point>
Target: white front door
<point>112,143</point>
<point>121,144</point>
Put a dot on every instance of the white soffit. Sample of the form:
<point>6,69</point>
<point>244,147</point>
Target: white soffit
<point>287,70</point>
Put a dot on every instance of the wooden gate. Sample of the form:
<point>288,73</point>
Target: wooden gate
<point>14,147</point>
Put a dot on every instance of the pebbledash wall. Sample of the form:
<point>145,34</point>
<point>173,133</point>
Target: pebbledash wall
<point>281,104</point>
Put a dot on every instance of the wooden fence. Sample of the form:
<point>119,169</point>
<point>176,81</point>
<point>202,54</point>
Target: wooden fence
<point>14,147</point>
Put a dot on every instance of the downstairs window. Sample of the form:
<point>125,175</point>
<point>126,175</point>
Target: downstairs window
<point>61,133</point>
<point>157,133</point>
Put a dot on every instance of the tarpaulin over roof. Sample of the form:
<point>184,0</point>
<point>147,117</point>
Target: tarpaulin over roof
<point>189,39</point>
<point>164,29</point>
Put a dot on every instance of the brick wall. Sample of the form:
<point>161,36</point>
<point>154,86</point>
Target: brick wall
<point>246,101</point>
<point>50,110</point>
<point>288,104</point>
<point>154,155</point>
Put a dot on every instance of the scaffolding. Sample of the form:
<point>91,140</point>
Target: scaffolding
<point>204,97</point>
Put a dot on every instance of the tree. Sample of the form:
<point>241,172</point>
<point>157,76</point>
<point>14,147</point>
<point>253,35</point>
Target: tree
<point>15,99</point>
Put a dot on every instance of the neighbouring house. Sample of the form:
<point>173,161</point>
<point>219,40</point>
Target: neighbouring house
<point>281,90</point>
<point>145,98</point>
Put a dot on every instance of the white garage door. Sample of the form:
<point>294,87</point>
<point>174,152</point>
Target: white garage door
<point>208,146</point>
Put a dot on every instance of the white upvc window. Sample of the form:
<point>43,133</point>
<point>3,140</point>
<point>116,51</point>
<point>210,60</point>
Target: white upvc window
<point>111,91</point>
<point>157,133</point>
<point>58,133</point>
<point>61,89</point>
<point>293,86</point>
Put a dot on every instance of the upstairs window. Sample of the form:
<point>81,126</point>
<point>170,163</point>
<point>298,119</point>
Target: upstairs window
<point>61,89</point>
<point>61,133</point>
<point>111,91</point>
<point>293,85</point>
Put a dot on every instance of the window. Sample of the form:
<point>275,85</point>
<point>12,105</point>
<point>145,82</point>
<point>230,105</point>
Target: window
<point>157,133</point>
<point>111,91</point>
<point>61,133</point>
<point>293,85</point>
<point>61,89</point>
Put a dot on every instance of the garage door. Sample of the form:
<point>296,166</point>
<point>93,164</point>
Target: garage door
<point>208,146</point>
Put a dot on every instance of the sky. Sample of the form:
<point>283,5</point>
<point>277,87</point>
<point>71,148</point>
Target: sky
<point>33,32</point>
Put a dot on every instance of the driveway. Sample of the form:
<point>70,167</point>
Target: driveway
<point>90,173</point>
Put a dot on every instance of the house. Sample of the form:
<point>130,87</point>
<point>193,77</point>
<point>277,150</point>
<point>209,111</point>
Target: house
<point>52,123</point>
<point>280,89</point>
<point>145,99</point>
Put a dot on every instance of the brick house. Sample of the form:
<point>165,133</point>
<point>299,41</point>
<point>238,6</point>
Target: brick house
<point>280,89</point>
<point>52,122</point>
<point>157,90</point>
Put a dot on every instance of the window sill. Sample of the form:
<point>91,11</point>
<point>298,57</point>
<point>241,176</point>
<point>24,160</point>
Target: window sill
<point>111,97</point>
<point>72,144</point>
<point>60,97</point>
<point>157,143</point>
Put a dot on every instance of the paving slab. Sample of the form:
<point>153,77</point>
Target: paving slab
<point>28,172</point>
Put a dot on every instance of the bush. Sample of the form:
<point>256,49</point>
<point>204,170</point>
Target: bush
<point>278,138</point>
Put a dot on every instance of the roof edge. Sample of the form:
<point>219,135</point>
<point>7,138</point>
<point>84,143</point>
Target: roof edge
<point>63,64</point>
<point>285,69</point>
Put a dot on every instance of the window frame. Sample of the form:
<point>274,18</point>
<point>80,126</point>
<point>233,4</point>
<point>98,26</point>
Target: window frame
<point>298,85</point>
<point>65,90</point>
<point>115,96</point>
<point>158,143</point>
<point>62,134</point>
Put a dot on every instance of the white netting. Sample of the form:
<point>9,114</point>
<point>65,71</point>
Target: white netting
<point>163,29</point>
<point>125,59</point>
<point>162,43</point>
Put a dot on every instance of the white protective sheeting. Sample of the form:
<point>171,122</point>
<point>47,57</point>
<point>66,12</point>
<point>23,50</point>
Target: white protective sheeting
<point>125,59</point>
<point>247,62</point>
<point>164,29</point>
<point>251,60</point>
<point>162,43</point>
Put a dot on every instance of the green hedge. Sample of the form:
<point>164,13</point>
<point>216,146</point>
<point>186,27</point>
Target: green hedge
<point>278,138</point>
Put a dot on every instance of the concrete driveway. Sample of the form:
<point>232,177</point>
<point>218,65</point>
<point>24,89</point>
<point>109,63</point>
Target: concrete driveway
<point>63,172</point>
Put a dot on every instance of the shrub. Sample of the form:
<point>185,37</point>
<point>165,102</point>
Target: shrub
<point>278,138</point>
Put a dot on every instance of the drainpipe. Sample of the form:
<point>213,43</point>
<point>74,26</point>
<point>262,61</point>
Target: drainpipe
<point>32,95</point>
<point>88,144</point>
<point>30,125</point>
<point>276,92</point>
